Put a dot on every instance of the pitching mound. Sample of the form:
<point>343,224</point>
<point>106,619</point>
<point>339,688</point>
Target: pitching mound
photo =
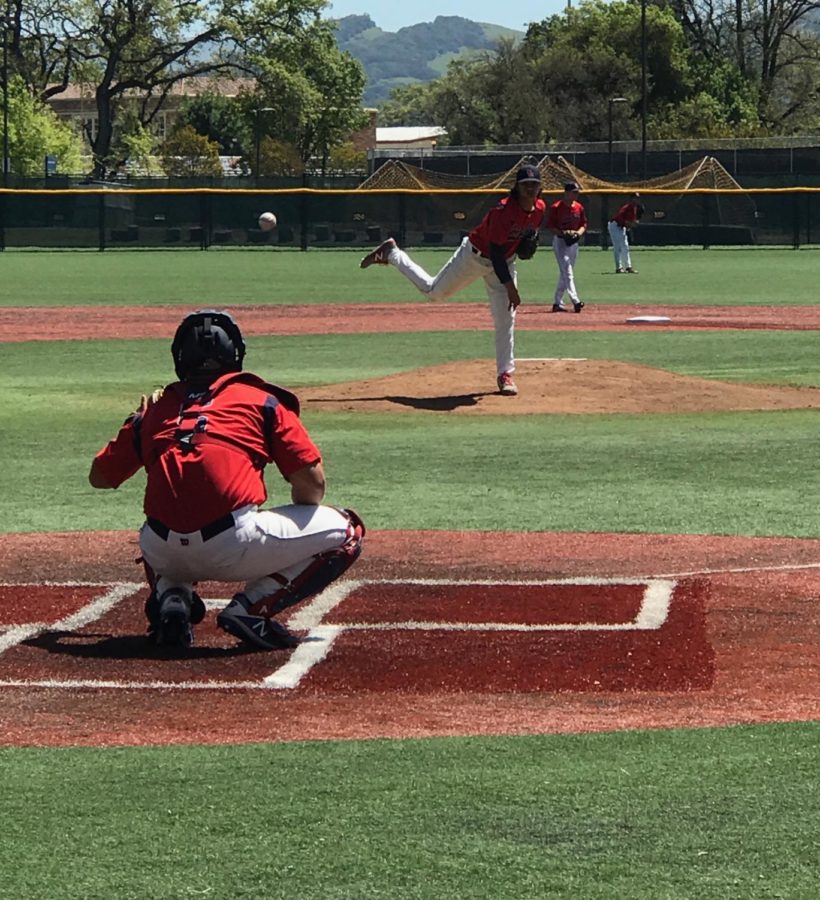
<point>553,386</point>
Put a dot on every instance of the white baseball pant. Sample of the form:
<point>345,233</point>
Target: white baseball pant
<point>283,540</point>
<point>464,267</point>
<point>620,245</point>
<point>566,256</point>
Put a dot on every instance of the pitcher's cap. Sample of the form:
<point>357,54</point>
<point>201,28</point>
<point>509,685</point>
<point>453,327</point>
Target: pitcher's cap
<point>528,173</point>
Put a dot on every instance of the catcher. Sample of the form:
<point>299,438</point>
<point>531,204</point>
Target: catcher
<point>204,442</point>
<point>567,221</point>
<point>508,230</point>
<point>618,226</point>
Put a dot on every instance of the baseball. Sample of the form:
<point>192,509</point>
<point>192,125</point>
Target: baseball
<point>267,221</point>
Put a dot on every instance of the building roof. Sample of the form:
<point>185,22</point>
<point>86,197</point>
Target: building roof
<point>409,135</point>
<point>186,87</point>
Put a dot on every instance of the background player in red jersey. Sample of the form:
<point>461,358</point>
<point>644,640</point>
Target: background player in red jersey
<point>567,221</point>
<point>626,217</point>
<point>204,442</point>
<point>487,252</point>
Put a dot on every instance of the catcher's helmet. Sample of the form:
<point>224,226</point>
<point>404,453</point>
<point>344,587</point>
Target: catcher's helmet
<point>207,343</point>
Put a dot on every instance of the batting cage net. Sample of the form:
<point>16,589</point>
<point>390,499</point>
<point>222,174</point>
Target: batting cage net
<point>700,205</point>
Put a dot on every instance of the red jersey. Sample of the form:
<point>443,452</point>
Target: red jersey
<point>566,216</point>
<point>626,215</point>
<point>504,225</point>
<point>205,448</point>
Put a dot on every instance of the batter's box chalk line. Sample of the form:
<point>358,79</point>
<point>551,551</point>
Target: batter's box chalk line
<point>653,612</point>
<point>321,635</point>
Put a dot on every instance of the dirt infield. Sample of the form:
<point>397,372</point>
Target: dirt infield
<point>105,322</point>
<point>505,634</point>
<point>738,643</point>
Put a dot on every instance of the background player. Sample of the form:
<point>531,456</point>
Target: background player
<point>567,221</point>
<point>626,217</point>
<point>204,442</point>
<point>487,252</point>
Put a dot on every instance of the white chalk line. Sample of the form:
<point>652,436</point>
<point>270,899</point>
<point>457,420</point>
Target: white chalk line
<point>742,570</point>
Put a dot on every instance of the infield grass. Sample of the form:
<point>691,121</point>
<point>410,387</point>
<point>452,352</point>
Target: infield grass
<point>727,473</point>
<point>229,277</point>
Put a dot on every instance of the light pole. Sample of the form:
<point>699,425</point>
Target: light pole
<point>6,17</point>
<point>258,130</point>
<point>612,102</point>
<point>643,90</point>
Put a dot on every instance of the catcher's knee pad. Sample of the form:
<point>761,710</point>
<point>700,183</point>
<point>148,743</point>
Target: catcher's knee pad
<point>152,609</point>
<point>322,570</point>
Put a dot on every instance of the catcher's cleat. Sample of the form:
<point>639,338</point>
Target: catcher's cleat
<point>174,626</point>
<point>578,306</point>
<point>559,307</point>
<point>322,570</point>
<point>257,631</point>
<point>378,257</point>
<point>506,385</point>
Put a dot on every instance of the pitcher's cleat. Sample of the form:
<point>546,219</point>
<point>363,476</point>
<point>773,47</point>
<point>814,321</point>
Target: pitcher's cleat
<point>378,257</point>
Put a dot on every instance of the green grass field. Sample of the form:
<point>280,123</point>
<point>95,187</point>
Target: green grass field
<point>712,813</point>
<point>766,277</point>
<point>656,814</point>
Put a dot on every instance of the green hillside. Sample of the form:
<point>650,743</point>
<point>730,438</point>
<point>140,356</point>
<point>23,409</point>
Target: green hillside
<point>415,53</point>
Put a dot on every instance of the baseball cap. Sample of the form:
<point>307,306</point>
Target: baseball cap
<point>572,186</point>
<point>528,173</point>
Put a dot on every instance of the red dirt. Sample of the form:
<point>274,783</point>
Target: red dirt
<point>761,625</point>
<point>105,322</point>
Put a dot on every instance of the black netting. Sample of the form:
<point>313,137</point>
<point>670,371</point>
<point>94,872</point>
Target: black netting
<point>122,218</point>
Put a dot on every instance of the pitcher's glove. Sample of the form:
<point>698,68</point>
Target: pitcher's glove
<point>528,244</point>
<point>571,237</point>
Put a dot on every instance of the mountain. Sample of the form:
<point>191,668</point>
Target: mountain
<point>415,53</point>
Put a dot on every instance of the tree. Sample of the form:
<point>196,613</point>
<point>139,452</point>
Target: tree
<point>135,51</point>
<point>188,154</point>
<point>409,104</point>
<point>221,119</point>
<point>592,53</point>
<point>768,41</point>
<point>347,160</point>
<point>313,90</point>
<point>557,84</point>
<point>278,158</point>
<point>35,132</point>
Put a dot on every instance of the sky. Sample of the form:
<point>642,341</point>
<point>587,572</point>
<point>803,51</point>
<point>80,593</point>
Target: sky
<point>392,16</point>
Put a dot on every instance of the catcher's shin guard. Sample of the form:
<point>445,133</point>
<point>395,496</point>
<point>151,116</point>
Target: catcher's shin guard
<point>323,570</point>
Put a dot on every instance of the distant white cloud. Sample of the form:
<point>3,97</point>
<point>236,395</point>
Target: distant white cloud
<point>391,17</point>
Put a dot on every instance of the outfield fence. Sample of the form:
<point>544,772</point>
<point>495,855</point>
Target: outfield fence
<point>201,218</point>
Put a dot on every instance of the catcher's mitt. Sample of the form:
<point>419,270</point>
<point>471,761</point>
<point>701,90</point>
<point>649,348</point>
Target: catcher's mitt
<point>528,244</point>
<point>571,237</point>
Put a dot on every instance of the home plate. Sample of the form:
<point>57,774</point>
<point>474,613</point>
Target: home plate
<point>639,320</point>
